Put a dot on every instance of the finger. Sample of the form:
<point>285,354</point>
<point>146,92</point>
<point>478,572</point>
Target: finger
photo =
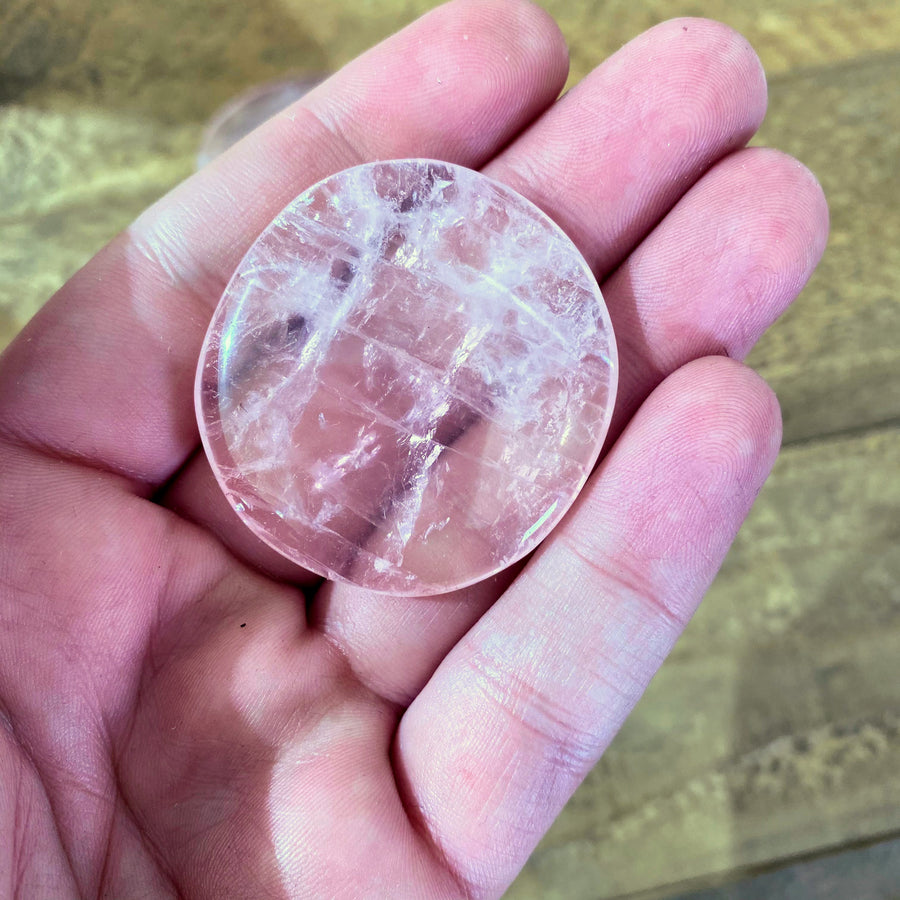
<point>525,704</point>
<point>612,157</point>
<point>104,374</point>
<point>719,269</point>
<point>722,266</point>
<point>394,644</point>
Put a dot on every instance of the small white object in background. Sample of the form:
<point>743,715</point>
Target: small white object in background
<point>240,115</point>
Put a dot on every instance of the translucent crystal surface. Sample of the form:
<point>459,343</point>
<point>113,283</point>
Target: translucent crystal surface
<point>248,110</point>
<point>408,379</point>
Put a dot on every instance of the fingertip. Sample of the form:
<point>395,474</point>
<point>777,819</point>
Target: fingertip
<point>770,212</point>
<point>790,226</point>
<point>513,50</point>
<point>708,41</point>
<point>635,134</point>
<point>802,193</point>
<point>517,33</point>
<point>545,39</point>
<point>723,69</point>
<point>691,463</point>
<point>728,419</point>
<point>523,24</point>
<point>725,263</point>
<point>475,73</point>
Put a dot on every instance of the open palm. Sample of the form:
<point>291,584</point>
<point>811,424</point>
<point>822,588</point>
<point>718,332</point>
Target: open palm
<point>183,712</point>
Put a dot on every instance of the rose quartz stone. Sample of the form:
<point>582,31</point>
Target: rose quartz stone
<point>408,379</point>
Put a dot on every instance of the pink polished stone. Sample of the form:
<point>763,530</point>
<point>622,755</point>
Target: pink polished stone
<point>408,379</point>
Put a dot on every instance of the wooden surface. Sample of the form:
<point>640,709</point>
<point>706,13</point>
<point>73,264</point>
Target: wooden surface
<point>774,729</point>
<point>866,873</point>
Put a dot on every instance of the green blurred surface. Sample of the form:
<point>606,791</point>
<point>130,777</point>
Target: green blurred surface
<point>774,729</point>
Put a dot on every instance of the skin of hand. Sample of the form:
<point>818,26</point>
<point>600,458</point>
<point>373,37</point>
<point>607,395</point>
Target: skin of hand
<point>184,713</point>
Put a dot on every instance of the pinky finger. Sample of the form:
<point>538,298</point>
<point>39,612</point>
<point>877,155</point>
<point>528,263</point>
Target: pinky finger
<point>527,701</point>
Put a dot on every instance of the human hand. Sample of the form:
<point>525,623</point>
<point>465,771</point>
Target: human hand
<point>177,720</point>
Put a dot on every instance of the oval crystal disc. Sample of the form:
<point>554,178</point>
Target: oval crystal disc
<point>408,378</point>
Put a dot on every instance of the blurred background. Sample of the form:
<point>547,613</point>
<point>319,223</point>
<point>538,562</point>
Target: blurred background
<point>764,761</point>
